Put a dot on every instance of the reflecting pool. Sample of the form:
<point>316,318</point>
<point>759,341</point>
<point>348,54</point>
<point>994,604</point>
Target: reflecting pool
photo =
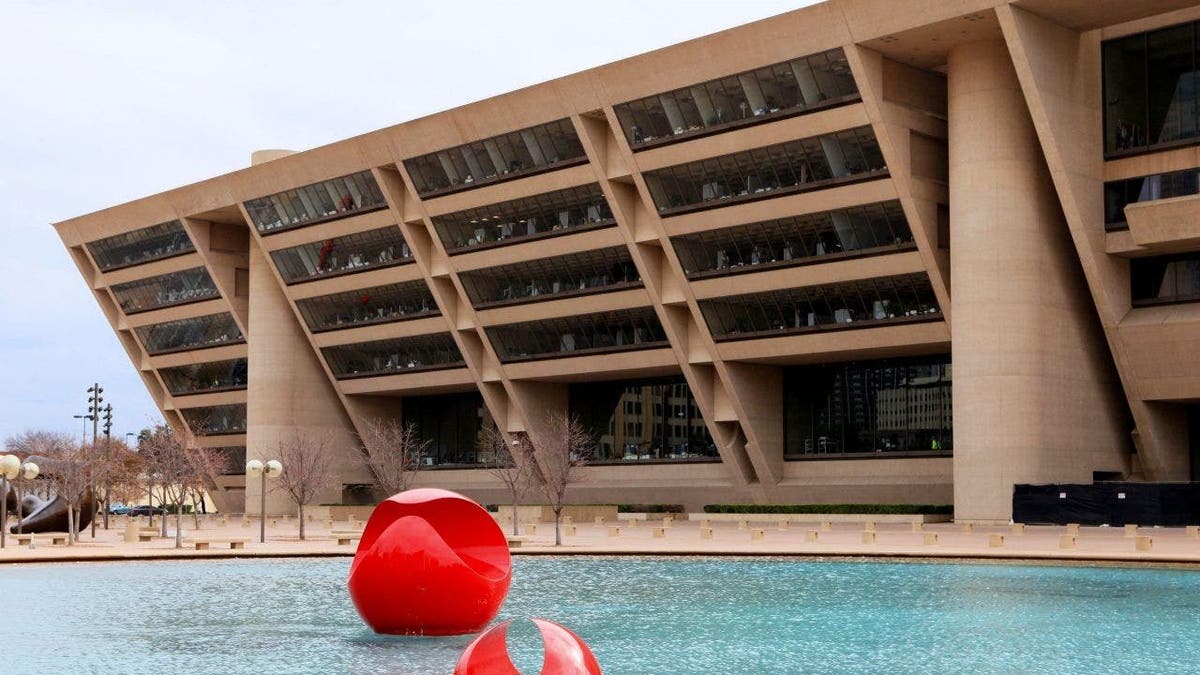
<point>641,616</point>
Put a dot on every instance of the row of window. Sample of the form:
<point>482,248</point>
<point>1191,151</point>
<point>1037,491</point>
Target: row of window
<point>650,420</point>
<point>356,252</point>
<point>523,219</point>
<point>907,297</point>
<point>804,164</point>
<point>199,332</point>
<point>197,378</point>
<point>585,272</point>
<point>378,304</point>
<point>793,239</point>
<point>517,153</point>
<point>216,420</point>
<point>319,202</point>
<point>575,335</point>
<point>156,242</point>
<point>389,357</point>
<point>165,290</point>
<point>1121,193</point>
<point>1165,279</point>
<point>779,90</point>
<point>1150,89</point>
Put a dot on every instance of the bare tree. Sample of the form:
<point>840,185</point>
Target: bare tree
<point>206,463</point>
<point>307,469</point>
<point>73,474</point>
<point>563,446</point>
<point>393,452</point>
<point>170,462</point>
<point>510,462</point>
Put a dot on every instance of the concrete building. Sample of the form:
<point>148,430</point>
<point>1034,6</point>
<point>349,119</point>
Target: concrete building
<point>746,262</point>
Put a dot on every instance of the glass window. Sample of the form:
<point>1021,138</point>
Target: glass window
<point>648,420</point>
<point>196,378</point>
<point>1121,193</point>
<point>450,423</point>
<point>796,166</point>
<point>214,330</point>
<point>513,155</point>
<point>216,420</point>
<point>853,304</point>
<point>166,290</point>
<point>576,274</point>
<point>316,203</point>
<point>1165,279</point>
<point>378,304</point>
<point>578,335</point>
<point>773,92</point>
<point>1150,89</point>
<point>389,357</point>
<point>140,246</point>
<point>794,240</point>
<point>235,459</point>
<point>352,253</point>
<point>518,220</point>
<point>870,406</point>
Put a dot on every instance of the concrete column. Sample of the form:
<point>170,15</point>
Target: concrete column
<point>1035,396</point>
<point>287,391</point>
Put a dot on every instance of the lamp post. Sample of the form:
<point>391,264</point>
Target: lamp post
<point>256,469</point>
<point>11,468</point>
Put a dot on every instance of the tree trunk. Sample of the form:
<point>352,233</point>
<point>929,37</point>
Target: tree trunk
<point>70,525</point>
<point>301,507</point>
<point>178,524</point>
<point>195,512</point>
<point>516,519</point>
<point>557,530</point>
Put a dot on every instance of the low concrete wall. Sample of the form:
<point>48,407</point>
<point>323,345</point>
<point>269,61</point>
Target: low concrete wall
<point>360,513</point>
<point>821,517</point>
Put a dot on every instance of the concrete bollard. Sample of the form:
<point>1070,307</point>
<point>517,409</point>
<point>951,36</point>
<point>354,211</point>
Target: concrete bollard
<point>757,534</point>
<point>599,520</point>
<point>868,537</point>
<point>1066,541</point>
<point>1073,529</point>
<point>660,533</point>
<point>1018,528</point>
<point>995,541</point>
<point>1193,531</point>
<point>967,528</point>
<point>569,530</point>
<point>132,530</point>
<point>743,524</point>
<point>869,526</point>
<point>666,523</point>
<point>329,523</point>
<point>826,526</point>
<point>245,522</point>
<point>224,521</point>
<point>632,523</point>
<point>531,529</point>
<point>812,536</point>
<point>568,520</point>
<point>274,522</point>
<point>706,533</point>
<point>918,527</point>
<point>614,531</point>
<point>1143,543</point>
<point>783,525</point>
<point>706,523</point>
<point>1131,531</point>
<point>931,539</point>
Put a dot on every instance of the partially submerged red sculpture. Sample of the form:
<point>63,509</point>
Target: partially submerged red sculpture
<point>565,653</point>
<point>430,562</point>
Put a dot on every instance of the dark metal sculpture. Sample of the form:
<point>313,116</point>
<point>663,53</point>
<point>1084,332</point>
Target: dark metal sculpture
<point>48,515</point>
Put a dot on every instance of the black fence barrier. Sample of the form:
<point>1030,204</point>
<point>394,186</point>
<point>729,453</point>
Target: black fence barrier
<point>1166,504</point>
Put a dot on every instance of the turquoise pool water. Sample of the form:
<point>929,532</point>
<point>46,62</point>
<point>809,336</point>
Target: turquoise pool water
<point>642,616</point>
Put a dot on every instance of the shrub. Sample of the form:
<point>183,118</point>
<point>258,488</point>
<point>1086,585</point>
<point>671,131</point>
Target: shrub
<point>650,508</point>
<point>872,509</point>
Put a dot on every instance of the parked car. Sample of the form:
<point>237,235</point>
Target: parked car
<point>118,509</point>
<point>144,510</point>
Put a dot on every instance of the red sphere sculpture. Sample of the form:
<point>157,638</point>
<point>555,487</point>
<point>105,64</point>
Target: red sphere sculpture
<point>565,653</point>
<point>430,562</point>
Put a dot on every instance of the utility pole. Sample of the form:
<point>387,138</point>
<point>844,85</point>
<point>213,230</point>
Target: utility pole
<point>107,459</point>
<point>94,409</point>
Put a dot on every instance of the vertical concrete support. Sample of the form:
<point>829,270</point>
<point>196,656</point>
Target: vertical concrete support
<point>1032,384</point>
<point>288,392</point>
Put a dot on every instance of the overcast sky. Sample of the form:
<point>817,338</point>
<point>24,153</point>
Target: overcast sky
<point>102,103</point>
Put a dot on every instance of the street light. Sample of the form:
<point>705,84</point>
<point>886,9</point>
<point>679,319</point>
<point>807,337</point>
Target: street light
<point>256,469</point>
<point>12,468</point>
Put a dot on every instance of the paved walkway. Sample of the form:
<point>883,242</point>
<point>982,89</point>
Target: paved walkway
<point>760,537</point>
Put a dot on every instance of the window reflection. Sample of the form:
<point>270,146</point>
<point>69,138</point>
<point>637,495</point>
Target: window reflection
<point>579,273</point>
<point>140,246</point>
<point>378,304</point>
<point>871,406</point>
<point>1165,279</point>
<point>166,290</point>
<point>319,202</point>
<point>1121,193</point>
<point>791,240</point>
<point>805,164</point>
<point>578,335</point>
<point>784,89</point>
<point>504,157</point>
<point>649,420</point>
<point>389,357</point>
<point>342,255</point>
<point>234,459</point>
<point>1150,84</point>
<point>450,423</point>
<point>200,332</point>
<point>197,378</point>
<point>523,219</point>
<point>907,297</point>
<point>216,420</point>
